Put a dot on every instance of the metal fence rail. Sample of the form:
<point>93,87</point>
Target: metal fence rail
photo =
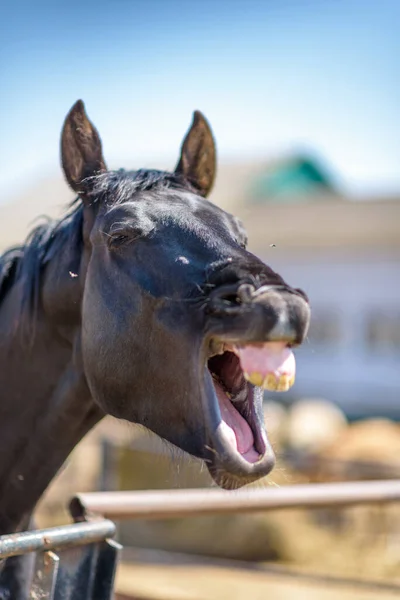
<point>73,562</point>
<point>183,503</point>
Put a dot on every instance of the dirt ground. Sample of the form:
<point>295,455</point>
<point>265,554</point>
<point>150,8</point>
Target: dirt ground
<point>200,582</point>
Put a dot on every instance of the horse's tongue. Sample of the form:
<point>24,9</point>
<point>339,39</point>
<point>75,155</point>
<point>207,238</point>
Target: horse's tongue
<point>235,428</point>
<point>271,365</point>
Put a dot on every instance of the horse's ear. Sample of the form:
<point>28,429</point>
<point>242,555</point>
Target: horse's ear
<point>81,153</point>
<point>198,155</point>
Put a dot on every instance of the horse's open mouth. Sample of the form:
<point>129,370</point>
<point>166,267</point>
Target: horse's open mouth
<point>239,372</point>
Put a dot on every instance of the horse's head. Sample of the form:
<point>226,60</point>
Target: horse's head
<point>182,327</point>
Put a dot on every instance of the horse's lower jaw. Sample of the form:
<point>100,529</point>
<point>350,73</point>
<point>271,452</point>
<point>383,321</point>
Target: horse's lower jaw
<point>230,469</point>
<point>238,451</point>
<point>233,479</point>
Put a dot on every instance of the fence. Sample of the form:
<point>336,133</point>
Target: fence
<point>73,562</point>
<point>181,503</point>
<point>78,562</point>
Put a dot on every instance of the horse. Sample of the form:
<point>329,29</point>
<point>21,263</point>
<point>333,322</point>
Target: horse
<point>142,302</point>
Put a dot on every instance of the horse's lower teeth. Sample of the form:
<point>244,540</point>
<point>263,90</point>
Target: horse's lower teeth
<point>223,386</point>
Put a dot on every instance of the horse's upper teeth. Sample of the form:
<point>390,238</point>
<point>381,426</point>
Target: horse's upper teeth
<point>255,378</point>
<point>270,382</point>
<point>216,347</point>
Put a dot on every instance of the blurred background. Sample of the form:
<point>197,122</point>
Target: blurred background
<point>303,97</point>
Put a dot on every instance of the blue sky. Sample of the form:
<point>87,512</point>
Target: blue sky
<point>270,76</point>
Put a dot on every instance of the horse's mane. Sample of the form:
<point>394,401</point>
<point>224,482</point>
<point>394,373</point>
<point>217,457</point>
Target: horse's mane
<point>25,263</point>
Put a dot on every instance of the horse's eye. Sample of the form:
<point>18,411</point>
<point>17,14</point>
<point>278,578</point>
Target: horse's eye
<point>118,238</point>
<point>115,241</point>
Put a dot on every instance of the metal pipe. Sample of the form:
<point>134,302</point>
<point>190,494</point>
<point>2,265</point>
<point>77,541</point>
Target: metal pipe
<point>56,538</point>
<point>183,503</point>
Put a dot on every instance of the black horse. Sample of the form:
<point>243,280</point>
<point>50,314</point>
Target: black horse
<point>142,303</point>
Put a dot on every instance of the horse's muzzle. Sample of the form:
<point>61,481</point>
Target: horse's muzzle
<point>268,313</point>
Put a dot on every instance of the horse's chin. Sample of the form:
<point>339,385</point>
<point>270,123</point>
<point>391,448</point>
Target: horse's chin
<point>238,451</point>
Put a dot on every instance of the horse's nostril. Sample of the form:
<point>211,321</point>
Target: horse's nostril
<point>232,299</point>
<point>224,299</point>
<point>227,294</point>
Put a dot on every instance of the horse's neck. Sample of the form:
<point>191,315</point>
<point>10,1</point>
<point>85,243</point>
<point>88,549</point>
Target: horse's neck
<point>45,409</point>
